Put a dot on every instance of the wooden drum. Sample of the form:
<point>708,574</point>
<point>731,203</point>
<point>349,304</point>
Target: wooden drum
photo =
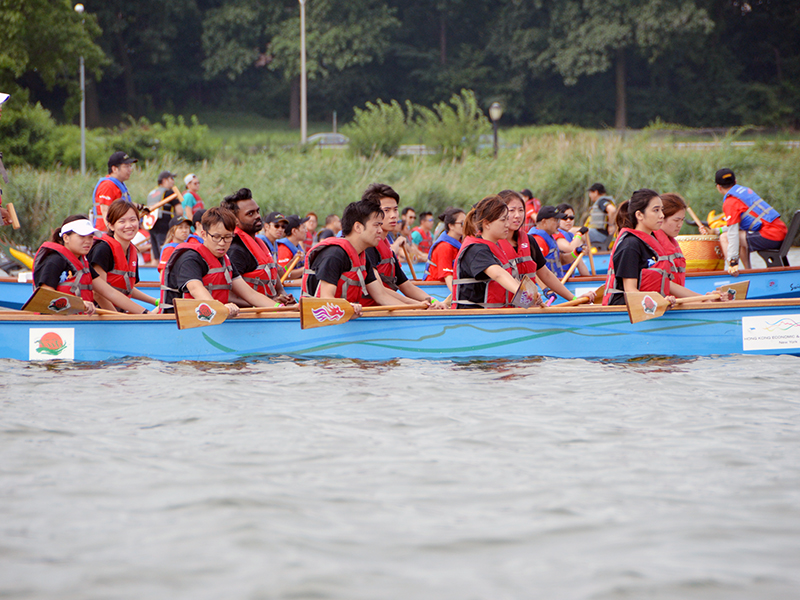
<point>702,252</point>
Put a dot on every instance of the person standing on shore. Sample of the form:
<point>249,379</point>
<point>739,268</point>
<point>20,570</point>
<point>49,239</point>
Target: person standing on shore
<point>111,188</point>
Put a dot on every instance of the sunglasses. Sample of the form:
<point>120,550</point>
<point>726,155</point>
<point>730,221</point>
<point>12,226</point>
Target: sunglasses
<point>568,218</point>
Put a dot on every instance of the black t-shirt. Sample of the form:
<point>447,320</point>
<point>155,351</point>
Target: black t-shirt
<point>241,258</point>
<point>374,257</point>
<point>167,212</point>
<point>187,267</point>
<point>102,255</point>
<point>55,270</point>
<point>324,234</point>
<point>471,265</point>
<point>329,265</point>
<point>631,255</point>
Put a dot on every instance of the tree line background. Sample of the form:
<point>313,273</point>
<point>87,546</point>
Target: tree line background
<point>593,63</point>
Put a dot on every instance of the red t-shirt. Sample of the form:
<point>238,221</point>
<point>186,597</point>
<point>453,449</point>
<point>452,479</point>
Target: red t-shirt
<point>444,255</point>
<point>106,193</point>
<point>285,256</point>
<point>542,244</point>
<point>309,241</point>
<point>734,208</point>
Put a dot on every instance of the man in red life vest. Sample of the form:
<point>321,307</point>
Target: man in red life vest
<point>112,187</point>
<point>250,255</point>
<point>291,245</point>
<point>204,272</point>
<point>753,224</point>
<point>338,267</point>
<point>383,256</point>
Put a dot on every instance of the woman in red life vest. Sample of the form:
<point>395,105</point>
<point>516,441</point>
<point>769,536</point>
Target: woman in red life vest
<point>60,264</point>
<point>674,209</point>
<point>311,230</point>
<point>114,258</point>
<point>638,261</point>
<point>442,256</point>
<point>523,251</point>
<point>179,230</point>
<point>570,239</point>
<point>483,271</point>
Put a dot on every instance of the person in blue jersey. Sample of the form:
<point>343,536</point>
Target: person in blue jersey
<point>111,187</point>
<point>274,225</point>
<point>291,245</point>
<point>544,232</point>
<point>443,252</point>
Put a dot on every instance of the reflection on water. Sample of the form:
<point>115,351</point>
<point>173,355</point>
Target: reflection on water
<point>287,478</point>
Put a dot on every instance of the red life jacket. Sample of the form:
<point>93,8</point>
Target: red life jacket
<point>653,279</point>
<point>521,257</point>
<point>123,276</point>
<point>80,283</point>
<point>217,281</point>
<point>352,283</point>
<point>264,278</point>
<point>496,296</point>
<point>385,269</point>
<point>166,252</point>
<point>198,201</point>
<point>427,239</point>
<point>674,255</point>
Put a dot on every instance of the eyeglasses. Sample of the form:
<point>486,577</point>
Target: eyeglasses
<point>458,223</point>
<point>568,218</point>
<point>221,238</point>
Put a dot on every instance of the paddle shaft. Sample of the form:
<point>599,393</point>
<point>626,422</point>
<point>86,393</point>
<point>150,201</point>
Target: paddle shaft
<point>166,200</point>
<point>694,216</point>
<point>589,251</point>
<point>290,266</point>
<point>12,213</point>
<point>409,261</point>
<point>392,307</point>
<point>573,267</point>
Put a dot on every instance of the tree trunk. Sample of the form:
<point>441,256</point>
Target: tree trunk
<point>127,77</point>
<point>92,105</point>
<point>621,118</point>
<point>443,38</point>
<point>294,104</point>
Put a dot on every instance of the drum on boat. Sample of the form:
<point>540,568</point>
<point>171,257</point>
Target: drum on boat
<point>702,252</point>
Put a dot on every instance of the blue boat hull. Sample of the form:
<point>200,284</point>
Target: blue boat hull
<point>770,327</point>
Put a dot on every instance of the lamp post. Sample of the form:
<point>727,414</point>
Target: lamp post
<point>79,10</point>
<point>495,112</point>
<point>303,91</point>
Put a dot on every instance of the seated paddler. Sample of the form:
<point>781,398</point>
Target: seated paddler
<point>249,254</point>
<point>338,267</point>
<point>383,257</point>
<point>204,271</point>
<point>639,262</point>
<point>443,252</point>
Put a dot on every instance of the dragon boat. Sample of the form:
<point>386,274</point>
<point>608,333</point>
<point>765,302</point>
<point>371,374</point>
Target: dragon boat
<point>737,327</point>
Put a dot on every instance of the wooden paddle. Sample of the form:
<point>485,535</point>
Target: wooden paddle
<point>598,296</point>
<point>166,200</point>
<point>589,251</point>
<point>190,313</point>
<point>290,266</point>
<point>51,302</point>
<point>694,216</point>
<point>643,306</point>
<point>320,312</point>
<point>410,262</point>
<point>573,267</point>
<point>527,294</point>
<point>12,213</point>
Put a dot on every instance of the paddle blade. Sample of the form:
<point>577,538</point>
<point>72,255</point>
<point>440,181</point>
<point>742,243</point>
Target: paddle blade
<point>12,213</point>
<point>190,313</point>
<point>321,312</point>
<point>527,294</point>
<point>645,305</point>
<point>735,291</point>
<point>51,302</point>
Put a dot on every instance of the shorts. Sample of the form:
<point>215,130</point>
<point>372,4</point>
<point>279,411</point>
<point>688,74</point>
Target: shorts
<point>756,242</point>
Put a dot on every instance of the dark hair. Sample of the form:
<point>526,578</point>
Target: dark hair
<point>598,187</point>
<point>526,193</point>
<point>231,202</point>
<point>489,209</point>
<point>376,191</point>
<point>424,215</point>
<point>330,219</point>
<point>359,212</point>
<point>117,210</point>
<point>564,207</point>
<point>508,195</point>
<point>219,215</point>
<point>448,217</point>
<point>56,237</point>
<point>626,213</point>
<point>673,203</point>
<point>406,209</point>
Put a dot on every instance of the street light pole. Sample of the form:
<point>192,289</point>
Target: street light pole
<point>303,90</point>
<point>79,10</point>
<point>495,112</point>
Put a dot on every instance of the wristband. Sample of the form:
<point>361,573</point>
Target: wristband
<point>574,296</point>
<point>158,301</point>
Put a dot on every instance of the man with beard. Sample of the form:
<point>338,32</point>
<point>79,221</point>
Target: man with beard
<point>248,254</point>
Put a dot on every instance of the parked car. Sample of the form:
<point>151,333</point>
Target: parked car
<point>328,140</point>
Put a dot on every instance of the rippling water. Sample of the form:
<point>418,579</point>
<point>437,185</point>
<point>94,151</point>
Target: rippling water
<point>409,479</point>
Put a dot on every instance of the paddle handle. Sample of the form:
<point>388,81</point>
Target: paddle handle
<point>289,267</point>
<point>694,216</point>
<point>392,307</point>
<point>159,204</point>
<point>12,213</point>
<point>576,302</point>
<point>589,252</point>
<point>260,309</point>
<point>692,299</point>
<point>573,267</point>
<point>409,261</point>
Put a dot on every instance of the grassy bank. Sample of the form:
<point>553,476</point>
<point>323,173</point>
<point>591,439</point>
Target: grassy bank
<point>557,164</point>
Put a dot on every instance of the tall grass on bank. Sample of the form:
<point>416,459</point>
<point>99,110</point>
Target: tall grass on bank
<point>558,165</point>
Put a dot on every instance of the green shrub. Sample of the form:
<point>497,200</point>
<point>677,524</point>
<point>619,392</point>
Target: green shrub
<point>26,132</point>
<point>455,130</point>
<point>378,128</point>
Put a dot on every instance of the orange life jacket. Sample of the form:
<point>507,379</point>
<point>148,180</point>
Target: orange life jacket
<point>79,283</point>
<point>264,278</point>
<point>123,276</point>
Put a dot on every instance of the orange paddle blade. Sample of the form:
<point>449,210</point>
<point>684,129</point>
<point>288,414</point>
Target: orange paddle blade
<point>191,313</point>
<point>643,306</point>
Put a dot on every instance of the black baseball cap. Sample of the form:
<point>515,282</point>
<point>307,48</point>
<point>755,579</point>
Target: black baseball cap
<point>275,217</point>
<point>120,158</point>
<point>549,212</point>
<point>598,187</point>
<point>293,222</point>
<point>178,220</point>
<point>725,178</point>
<point>166,175</point>
<point>197,216</point>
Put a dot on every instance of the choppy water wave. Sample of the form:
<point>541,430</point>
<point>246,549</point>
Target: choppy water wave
<point>403,479</point>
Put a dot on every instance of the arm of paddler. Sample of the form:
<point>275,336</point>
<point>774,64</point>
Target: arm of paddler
<point>414,294</point>
<point>116,298</point>
<point>199,292</point>
<point>503,277</point>
<point>328,290</point>
<point>384,296</point>
<point>733,248</point>
<point>249,295</point>
<point>550,280</point>
<point>140,295</point>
